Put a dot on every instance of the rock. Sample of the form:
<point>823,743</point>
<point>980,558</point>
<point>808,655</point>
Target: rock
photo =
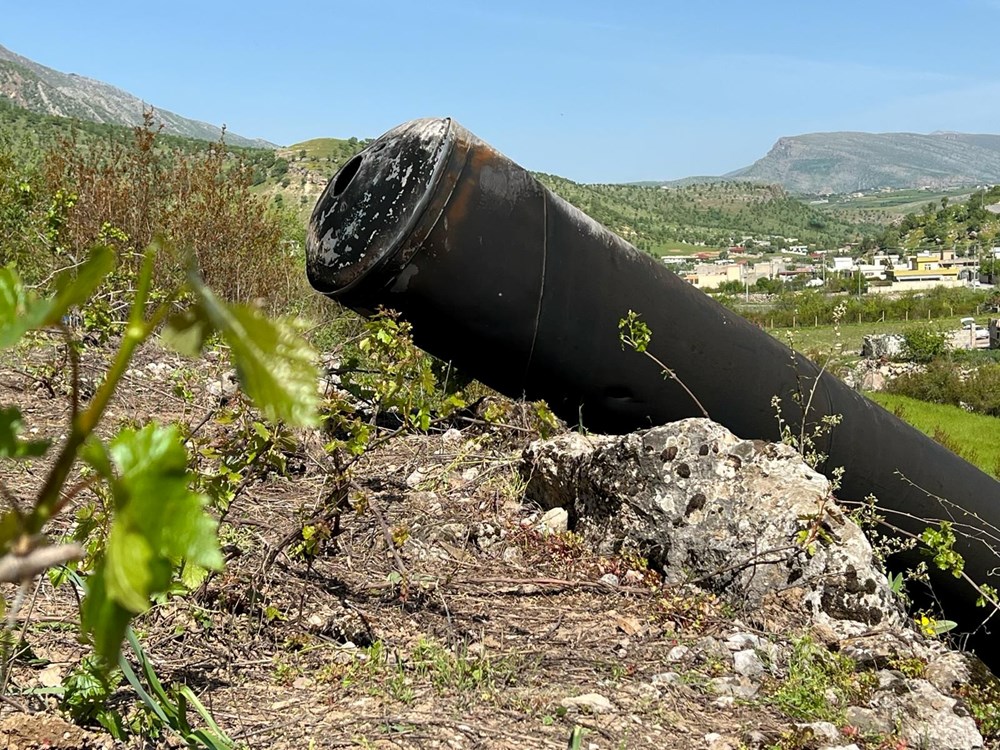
<point>666,678</point>
<point>927,718</point>
<point>742,641</point>
<point>677,653</point>
<point>51,676</point>
<point>886,345</point>
<point>554,521</point>
<point>747,663</point>
<point>821,732</point>
<point>948,670</point>
<point>736,687</point>
<point>703,505</point>
<point>867,721</point>
<point>592,702</point>
<point>711,649</point>
<point>609,579</point>
<point>718,741</point>
<point>416,478</point>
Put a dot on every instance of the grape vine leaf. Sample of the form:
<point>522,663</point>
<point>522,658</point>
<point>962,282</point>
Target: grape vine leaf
<point>12,446</point>
<point>274,364</point>
<point>22,311</point>
<point>159,521</point>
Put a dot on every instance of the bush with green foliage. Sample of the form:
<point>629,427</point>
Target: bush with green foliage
<point>924,342</point>
<point>944,382</point>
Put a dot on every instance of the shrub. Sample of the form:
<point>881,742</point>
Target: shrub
<point>127,192</point>
<point>924,342</point>
<point>942,383</point>
<point>939,383</point>
<point>981,390</point>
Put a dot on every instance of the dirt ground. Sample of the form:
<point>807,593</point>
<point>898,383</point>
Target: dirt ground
<point>425,610</point>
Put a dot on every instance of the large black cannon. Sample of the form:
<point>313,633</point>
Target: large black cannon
<point>525,292</point>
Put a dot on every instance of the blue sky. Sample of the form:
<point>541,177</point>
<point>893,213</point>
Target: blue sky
<point>607,91</point>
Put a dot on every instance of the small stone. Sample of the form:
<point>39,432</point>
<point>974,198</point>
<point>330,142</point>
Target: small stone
<point>415,479</point>
<point>609,579</point>
<point>51,676</point>
<point>737,687</point>
<point>666,678</point>
<point>747,663</point>
<point>821,731</point>
<point>741,641</point>
<point>677,653</point>
<point>451,436</point>
<point>866,720</point>
<point>592,702</point>
<point>555,521</point>
<point>512,555</point>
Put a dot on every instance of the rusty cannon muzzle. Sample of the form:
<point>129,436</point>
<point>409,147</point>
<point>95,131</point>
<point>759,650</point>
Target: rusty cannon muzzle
<point>525,292</point>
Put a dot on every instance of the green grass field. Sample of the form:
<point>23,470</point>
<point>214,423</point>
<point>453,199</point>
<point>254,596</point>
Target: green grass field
<point>808,338</point>
<point>975,437</point>
<point>899,201</point>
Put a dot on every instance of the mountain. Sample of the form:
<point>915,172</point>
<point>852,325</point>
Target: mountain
<point>47,91</point>
<point>846,162</point>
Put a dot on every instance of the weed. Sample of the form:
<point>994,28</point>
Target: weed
<point>981,695</point>
<point>461,670</point>
<point>815,675</point>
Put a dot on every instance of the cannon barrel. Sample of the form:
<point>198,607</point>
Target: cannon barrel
<point>525,292</point>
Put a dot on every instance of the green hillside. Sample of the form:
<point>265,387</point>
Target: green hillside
<point>967,226</point>
<point>714,214</point>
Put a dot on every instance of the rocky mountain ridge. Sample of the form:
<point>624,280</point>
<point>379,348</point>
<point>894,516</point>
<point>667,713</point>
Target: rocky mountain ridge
<point>847,162</point>
<point>41,89</point>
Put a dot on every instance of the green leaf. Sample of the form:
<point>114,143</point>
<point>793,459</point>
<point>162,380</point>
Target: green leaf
<point>75,286</point>
<point>187,331</point>
<point>192,576</point>
<point>20,310</point>
<point>95,453</point>
<point>10,445</point>
<point>152,495</point>
<point>275,365</point>
<point>159,522</point>
<point>132,573</point>
<point>103,617</point>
